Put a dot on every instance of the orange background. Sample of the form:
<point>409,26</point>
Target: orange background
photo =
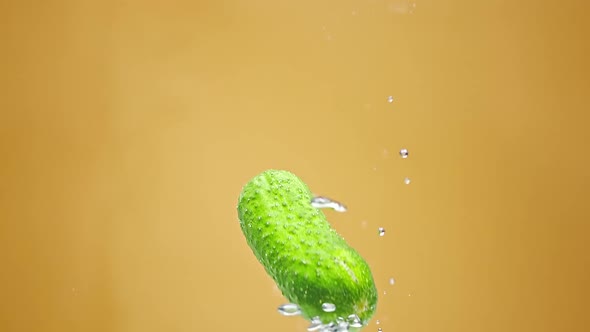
<point>127,129</point>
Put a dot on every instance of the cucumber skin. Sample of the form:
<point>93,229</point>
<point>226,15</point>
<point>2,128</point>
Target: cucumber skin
<point>310,263</point>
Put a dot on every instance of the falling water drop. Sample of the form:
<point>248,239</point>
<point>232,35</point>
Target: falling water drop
<point>390,99</point>
<point>391,281</point>
<point>381,231</point>
<point>407,180</point>
<point>404,153</point>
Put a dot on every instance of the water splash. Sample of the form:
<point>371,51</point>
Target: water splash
<point>320,202</point>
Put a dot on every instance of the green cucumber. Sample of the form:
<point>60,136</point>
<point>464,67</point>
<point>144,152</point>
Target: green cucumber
<point>311,264</point>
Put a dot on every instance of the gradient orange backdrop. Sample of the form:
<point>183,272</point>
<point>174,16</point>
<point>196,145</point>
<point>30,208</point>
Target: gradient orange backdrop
<point>127,129</point>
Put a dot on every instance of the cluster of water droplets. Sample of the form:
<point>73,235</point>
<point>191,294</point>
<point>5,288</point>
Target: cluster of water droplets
<point>404,154</point>
<point>341,324</point>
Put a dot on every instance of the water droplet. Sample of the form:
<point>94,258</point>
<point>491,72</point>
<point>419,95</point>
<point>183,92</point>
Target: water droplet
<point>407,180</point>
<point>314,326</point>
<point>328,307</point>
<point>289,309</point>
<point>391,281</point>
<point>320,202</point>
<point>379,330</point>
<point>384,292</point>
<point>377,322</point>
<point>381,231</point>
<point>390,99</point>
<point>354,321</point>
<point>404,153</point>
<point>330,327</point>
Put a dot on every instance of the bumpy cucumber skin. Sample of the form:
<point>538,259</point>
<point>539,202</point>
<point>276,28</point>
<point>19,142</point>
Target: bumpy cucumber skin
<point>308,260</point>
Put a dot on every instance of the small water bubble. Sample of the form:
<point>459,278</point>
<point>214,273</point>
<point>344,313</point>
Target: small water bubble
<point>404,153</point>
<point>381,231</point>
<point>391,281</point>
<point>320,202</point>
<point>328,307</point>
<point>289,309</point>
<point>407,180</point>
<point>390,99</point>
